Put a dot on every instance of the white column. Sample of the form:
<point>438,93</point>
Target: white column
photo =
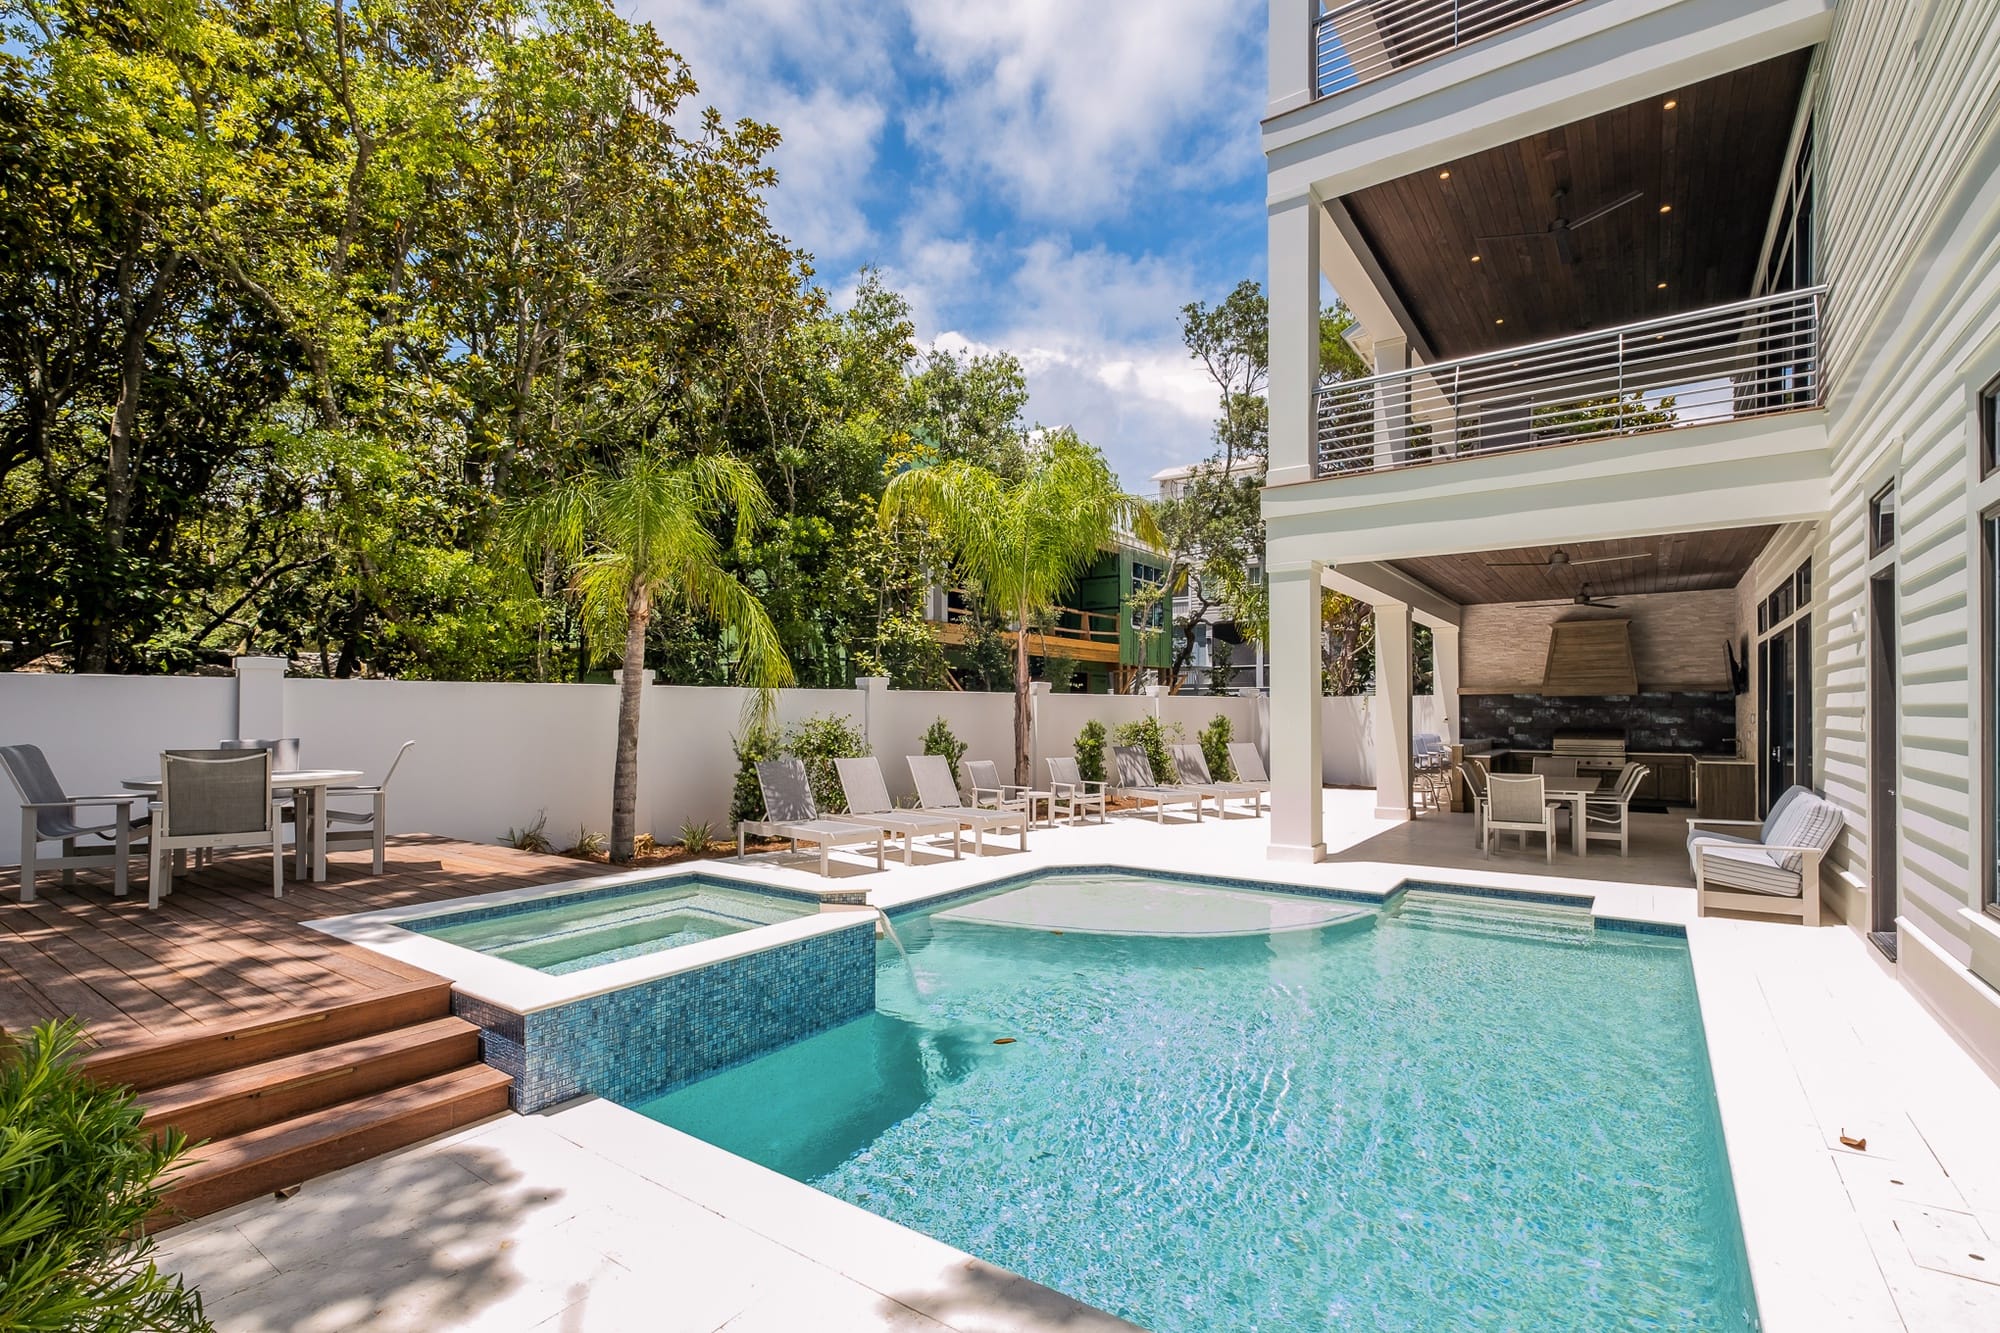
<point>874,710</point>
<point>1444,677</point>
<point>1291,53</point>
<point>1392,403</point>
<point>260,697</point>
<point>1294,337</point>
<point>1392,710</point>
<point>1297,767</point>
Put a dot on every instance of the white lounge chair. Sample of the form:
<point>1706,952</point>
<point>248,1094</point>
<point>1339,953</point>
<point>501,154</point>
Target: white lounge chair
<point>1518,805</point>
<point>210,799</point>
<point>1774,869</point>
<point>371,826</point>
<point>937,794</point>
<point>790,812</point>
<point>49,814</point>
<point>1074,794</point>
<point>1249,764</point>
<point>1134,782</point>
<point>1192,767</point>
<point>867,793</point>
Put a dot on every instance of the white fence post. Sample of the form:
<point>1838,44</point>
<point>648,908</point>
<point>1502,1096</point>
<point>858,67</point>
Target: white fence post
<point>260,697</point>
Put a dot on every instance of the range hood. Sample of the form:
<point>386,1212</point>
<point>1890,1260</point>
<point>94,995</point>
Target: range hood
<point>1590,657</point>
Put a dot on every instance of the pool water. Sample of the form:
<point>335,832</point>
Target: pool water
<point>1459,1116</point>
<point>576,931</point>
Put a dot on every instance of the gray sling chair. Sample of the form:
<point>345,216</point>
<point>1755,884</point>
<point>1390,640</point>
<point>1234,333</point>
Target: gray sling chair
<point>1075,794</point>
<point>214,798</point>
<point>1132,778</point>
<point>937,794</point>
<point>1249,765</point>
<point>284,752</point>
<point>368,827</point>
<point>983,776</point>
<point>868,801</point>
<point>790,812</point>
<point>49,814</point>
<point>1192,766</point>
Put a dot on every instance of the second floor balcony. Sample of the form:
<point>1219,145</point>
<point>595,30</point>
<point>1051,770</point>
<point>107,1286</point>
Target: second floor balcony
<point>1738,361</point>
<point>1359,41</point>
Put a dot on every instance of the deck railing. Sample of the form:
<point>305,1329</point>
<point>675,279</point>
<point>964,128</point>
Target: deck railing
<point>1363,40</point>
<point>1722,363</point>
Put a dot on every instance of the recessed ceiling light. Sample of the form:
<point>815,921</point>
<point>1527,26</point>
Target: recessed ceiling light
<point>1499,321</point>
<point>1666,208</point>
<point>1672,103</point>
<point>1444,175</point>
<point>1662,287</point>
<point>1475,259</point>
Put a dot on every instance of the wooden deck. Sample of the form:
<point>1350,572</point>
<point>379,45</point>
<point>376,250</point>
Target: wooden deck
<point>221,950</point>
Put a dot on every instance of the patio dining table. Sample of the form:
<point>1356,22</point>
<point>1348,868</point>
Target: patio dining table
<point>311,785</point>
<point>1575,792</point>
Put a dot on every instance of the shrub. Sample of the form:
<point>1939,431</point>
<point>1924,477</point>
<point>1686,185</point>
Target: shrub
<point>588,843</point>
<point>695,837</point>
<point>746,802</point>
<point>818,741</point>
<point>907,653</point>
<point>1090,752</point>
<point>939,739</point>
<point>1060,673</point>
<point>1215,738</point>
<point>78,1179</point>
<point>532,837</point>
<point>1148,735</point>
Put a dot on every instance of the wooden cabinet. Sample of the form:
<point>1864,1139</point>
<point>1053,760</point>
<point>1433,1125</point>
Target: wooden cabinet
<point>1726,790</point>
<point>1670,781</point>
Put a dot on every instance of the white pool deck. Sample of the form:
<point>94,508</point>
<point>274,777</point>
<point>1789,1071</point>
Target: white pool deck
<point>591,1217</point>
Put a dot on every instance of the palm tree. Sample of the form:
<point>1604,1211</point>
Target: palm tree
<point>1022,540</point>
<point>638,537</point>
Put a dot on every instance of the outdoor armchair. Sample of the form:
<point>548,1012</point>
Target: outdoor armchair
<point>867,793</point>
<point>1476,773</point>
<point>1517,805</point>
<point>937,794</point>
<point>1608,815</point>
<point>790,812</point>
<point>209,799</point>
<point>1133,772</point>
<point>370,826</point>
<point>1074,794</point>
<point>1192,766</point>
<point>49,814</point>
<point>1775,868</point>
<point>984,777</point>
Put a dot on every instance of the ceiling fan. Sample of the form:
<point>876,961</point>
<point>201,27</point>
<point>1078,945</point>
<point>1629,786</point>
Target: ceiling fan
<point>1559,230</point>
<point>1561,559</point>
<point>1582,598</point>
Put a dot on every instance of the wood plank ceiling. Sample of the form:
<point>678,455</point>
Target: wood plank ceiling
<point>1678,562</point>
<point>1714,158</point>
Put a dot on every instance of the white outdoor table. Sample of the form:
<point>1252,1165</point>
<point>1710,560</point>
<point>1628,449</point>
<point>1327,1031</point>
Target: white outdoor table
<point>1574,791</point>
<point>309,785</point>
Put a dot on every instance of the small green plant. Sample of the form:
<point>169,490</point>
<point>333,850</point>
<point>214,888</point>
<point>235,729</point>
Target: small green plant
<point>695,836</point>
<point>746,801</point>
<point>940,739</point>
<point>907,652</point>
<point>588,843</point>
<point>818,741</point>
<point>79,1178</point>
<point>532,837</point>
<point>1060,673</point>
<point>1215,738</point>
<point>1090,751</point>
<point>1146,734</point>
<point>1221,652</point>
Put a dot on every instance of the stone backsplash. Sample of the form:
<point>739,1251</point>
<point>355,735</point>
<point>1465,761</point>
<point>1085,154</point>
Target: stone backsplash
<point>1668,722</point>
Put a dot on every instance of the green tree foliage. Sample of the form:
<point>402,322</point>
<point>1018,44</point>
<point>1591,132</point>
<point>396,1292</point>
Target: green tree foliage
<point>757,743</point>
<point>818,741</point>
<point>79,1178</point>
<point>1150,738</point>
<point>1021,539</point>
<point>940,739</point>
<point>1347,639</point>
<point>1090,751</point>
<point>1215,738</point>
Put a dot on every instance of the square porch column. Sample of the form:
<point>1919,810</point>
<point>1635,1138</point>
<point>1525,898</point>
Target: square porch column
<point>1293,308</point>
<point>1392,403</point>
<point>1444,677</point>
<point>1297,768</point>
<point>1392,710</point>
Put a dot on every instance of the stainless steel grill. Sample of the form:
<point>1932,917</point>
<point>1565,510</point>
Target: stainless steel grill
<point>1722,363</point>
<point>1359,42</point>
<point>1594,751</point>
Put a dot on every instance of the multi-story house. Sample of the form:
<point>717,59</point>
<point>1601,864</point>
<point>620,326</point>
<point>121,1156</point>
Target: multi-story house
<point>1216,633</point>
<point>1689,306</point>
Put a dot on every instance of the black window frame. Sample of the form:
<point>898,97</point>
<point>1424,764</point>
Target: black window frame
<point>1989,428</point>
<point>1989,723</point>
<point>1882,505</point>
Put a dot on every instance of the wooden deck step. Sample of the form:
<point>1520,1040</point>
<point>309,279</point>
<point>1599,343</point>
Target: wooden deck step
<point>175,1057</point>
<point>292,1151</point>
<point>235,1101</point>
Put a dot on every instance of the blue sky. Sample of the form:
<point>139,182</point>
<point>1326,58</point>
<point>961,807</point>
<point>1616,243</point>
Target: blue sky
<point>1052,177</point>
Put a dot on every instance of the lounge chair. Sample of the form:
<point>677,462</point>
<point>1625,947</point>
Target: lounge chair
<point>868,800</point>
<point>1192,766</point>
<point>984,777</point>
<point>1134,774</point>
<point>1249,765</point>
<point>1518,805</point>
<point>210,799</point>
<point>49,814</point>
<point>790,812</point>
<point>1074,794</point>
<point>371,826</point>
<point>1774,869</point>
<point>937,794</point>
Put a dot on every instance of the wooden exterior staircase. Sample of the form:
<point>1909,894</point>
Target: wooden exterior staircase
<point>275,1102</point>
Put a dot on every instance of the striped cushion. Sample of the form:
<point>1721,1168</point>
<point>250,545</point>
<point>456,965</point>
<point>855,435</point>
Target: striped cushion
<point>1697,834</point>
<point>1819,824</point>
<point>1748,868</point>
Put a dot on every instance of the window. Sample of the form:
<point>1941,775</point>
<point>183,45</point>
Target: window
<point>1151,613</point>
<point>1989,672</point>
<point>1790,265</point>
<point>1882,520</point>
<point>1989,428</point>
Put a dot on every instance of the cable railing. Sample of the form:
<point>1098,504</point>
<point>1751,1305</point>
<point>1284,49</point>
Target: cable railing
<point>1723,363</point>
<point>1363,40</point>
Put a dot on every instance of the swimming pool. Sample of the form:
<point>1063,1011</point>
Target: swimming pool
<point>1454,1113</point>
<point>576,931</point>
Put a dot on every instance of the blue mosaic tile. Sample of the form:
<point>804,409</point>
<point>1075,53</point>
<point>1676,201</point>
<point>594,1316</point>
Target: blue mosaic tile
<point>1666,929</point>
<point>495,911</point>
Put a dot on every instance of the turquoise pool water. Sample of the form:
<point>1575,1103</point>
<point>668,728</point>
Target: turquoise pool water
<point>579,930</point>
<point>1454,1115</point>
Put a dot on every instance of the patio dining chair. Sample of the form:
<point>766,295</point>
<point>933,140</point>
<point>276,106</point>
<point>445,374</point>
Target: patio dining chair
<point>1607,816</point>
<point>49,814</point>
<point>370,826</point>
<point>1074,793</point>
<point>1476,774</point>
<point>1554,765</point>
<point>210,799</point>
<point>1430,777</point>
<point>937,794</point>
<point>1517,805</point>
<point>867,793</point>
<point>791,812</point>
